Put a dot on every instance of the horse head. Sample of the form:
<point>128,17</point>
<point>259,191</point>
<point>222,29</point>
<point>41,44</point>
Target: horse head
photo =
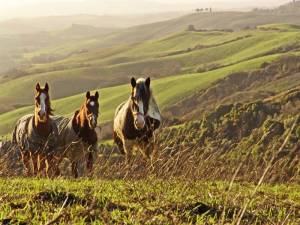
<point>140,97</point>
<point>42,103</point>
<point>91,109</point>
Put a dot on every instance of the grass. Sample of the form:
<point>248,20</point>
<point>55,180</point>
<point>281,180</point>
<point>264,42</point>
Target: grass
<point>167,91</point>
<point>167,56</point>
<point>148,201</point>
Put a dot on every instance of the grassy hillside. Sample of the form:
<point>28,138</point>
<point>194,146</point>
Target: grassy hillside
<point>281,75</point>
<point>55,23</point>
<point>181,53</point>
<point>147,201</point>
<point>136,34</point>
<point>167,91</point>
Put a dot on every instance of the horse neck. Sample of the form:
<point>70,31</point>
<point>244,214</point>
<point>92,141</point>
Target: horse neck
<point>80,121</point>
<point>42,128</point>
<point>81,127</point>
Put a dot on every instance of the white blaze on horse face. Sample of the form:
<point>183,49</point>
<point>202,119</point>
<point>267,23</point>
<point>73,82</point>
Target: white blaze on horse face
<point>141,107</point>
<point>93,120</point>
<point>43,105</point>
<point>140,120</point>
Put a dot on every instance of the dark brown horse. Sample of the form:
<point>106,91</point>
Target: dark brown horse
<point>36,134</point>
<point>77,135</point>
<point>136,120</point>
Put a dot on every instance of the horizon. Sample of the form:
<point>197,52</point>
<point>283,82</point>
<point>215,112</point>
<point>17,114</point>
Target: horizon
<point>15,9</point>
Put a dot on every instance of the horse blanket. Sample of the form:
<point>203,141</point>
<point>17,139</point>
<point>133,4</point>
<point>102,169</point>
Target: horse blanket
<point>26,137</point>
<point>70,145</point>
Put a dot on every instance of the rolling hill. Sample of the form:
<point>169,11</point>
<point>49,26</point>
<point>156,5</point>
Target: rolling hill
<point>186,52</point>
<point>167,90</point>
<point>230,101</point>
<point>54,23</point>
<point>185,60</point>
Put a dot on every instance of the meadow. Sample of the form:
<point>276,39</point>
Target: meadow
<point>199,58</point>
<point>228,151</point>
<point>167,91</point>
<point>150,201</point>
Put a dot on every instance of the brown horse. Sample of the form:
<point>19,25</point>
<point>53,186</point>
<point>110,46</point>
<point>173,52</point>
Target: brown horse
<point>36,134</point>
<point>77,135</point>
<point>136,120</point>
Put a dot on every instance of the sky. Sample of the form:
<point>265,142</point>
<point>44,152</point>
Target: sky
<point>35,8</point>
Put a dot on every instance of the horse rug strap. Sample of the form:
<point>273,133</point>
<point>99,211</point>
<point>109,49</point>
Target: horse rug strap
<point>28,139</point>
<point>153,110</point>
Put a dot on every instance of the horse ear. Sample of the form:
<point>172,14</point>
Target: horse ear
<point>133,82</point>
<point>97,95</point>
<point>88,95</point>
<point>37,87</point>
<point>147,82</point>
<point>46,87</point>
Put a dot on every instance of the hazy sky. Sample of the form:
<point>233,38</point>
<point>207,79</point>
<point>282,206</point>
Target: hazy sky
<point>33,8</point>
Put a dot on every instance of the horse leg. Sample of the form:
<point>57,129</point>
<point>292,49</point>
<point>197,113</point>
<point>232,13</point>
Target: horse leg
<point>150,151</point>
<point>52,169</point>
<point>36,163</point>
<point>119,143</point>
<point>89,162</point>
<point>26,162</point>
<point>128,148</point>
<point>43,166</point>
<point>75,169</point>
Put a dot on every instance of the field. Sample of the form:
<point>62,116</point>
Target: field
<point>228,87</point>
<point>149,201</point>
<point>180,64</point>
<point>167,91</point>
<point>181,53</point>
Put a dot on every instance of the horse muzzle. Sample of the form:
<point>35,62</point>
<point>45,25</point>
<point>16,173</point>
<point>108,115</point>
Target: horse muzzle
<point>42,116</point>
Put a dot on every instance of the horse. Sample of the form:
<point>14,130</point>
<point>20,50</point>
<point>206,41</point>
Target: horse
<point>136,120</point>
<point>36,134</point>
<point>77,135</point>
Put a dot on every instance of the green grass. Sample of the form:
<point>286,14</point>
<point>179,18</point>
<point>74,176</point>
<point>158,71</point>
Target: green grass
<point>166,90</point>
<point>236,51</point>
<point>113,66</point>
<point>149,201</point>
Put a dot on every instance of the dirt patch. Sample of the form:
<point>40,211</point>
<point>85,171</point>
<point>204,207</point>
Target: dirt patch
<point>60,198</point>
<point>239,87</point>
<point>12,221</point>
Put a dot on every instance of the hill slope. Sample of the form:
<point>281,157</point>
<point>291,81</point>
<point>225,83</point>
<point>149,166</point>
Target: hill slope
<point>181,53</point>
<point>167,91</point>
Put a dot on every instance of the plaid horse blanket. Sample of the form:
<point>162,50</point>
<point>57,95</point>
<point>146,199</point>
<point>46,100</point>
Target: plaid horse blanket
<point>26,137</point>
<point>70,145</point>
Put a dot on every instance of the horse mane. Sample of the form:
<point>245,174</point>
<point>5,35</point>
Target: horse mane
<point>79,115</point>
<point>89,136</point>
<point>50,110</point>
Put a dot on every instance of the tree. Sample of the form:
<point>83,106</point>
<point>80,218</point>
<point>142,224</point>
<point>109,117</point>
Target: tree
<point>191,28</point>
